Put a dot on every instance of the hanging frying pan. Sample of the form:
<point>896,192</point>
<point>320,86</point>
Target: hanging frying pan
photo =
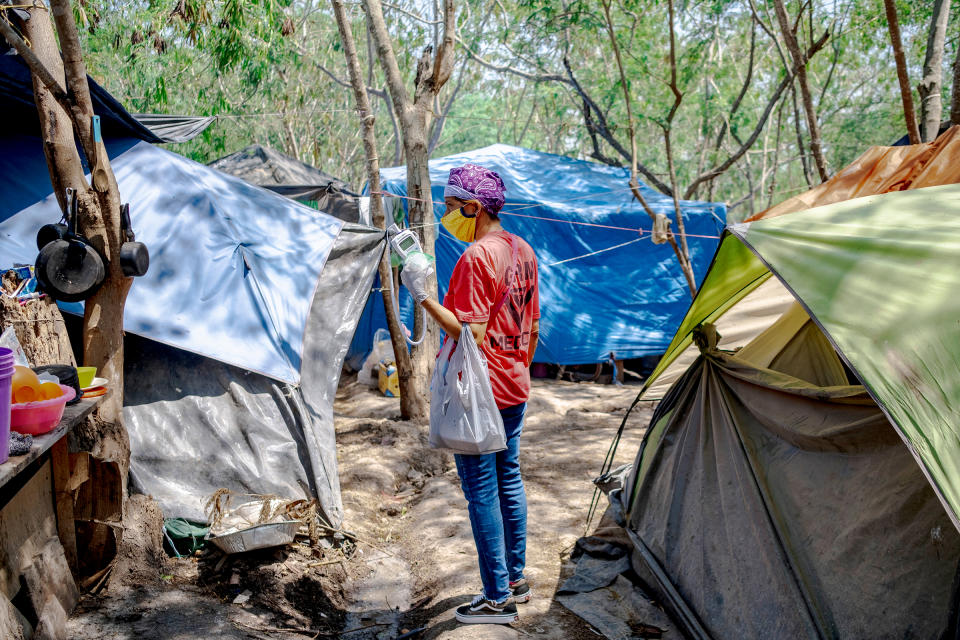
<point>50,232</point>
<point>68,268</point>
<point>134,257</point>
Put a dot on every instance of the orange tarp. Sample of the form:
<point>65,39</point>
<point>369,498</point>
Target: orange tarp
<point>881,170</point>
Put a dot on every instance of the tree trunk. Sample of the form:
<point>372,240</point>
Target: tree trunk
<point>420,210</point>
<point>800,69</point>
<point>56,130</point>
<point>413,116</point>
<point>410,401</point>
<point>99,222</point>
<point>930,87</point>
<point>40,330</point>
<point>104,436</point>
<point>906,95</point>
<point>955,101</point>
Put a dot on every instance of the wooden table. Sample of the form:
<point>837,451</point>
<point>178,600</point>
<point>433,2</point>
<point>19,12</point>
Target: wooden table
<point>18,470</point>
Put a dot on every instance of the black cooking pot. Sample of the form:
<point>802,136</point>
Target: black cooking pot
<point>134,257</point>
<point>50,232</point>
<point>69,268</point>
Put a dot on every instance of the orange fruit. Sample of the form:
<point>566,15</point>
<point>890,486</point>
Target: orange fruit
<point>50,390</point>
<point>25,385</point>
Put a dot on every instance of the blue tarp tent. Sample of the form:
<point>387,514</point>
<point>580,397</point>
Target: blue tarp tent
<point>628,300</point>
<point>237,333</point>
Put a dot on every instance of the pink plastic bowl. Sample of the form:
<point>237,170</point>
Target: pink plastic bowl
<point>37,418</point>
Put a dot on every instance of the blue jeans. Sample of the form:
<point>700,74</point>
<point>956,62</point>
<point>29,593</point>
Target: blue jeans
<point>498,508</point>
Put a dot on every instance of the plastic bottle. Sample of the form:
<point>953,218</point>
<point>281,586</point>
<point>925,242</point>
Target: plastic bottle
<point>6,376</point>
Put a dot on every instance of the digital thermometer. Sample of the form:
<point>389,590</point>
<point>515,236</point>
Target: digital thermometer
<point>403,242</point>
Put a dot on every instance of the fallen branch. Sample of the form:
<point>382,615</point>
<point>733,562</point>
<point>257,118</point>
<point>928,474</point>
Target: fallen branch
<point>306,632</point>
<point>325,562</point>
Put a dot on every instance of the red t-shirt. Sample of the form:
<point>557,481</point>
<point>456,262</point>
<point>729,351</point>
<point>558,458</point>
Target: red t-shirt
<point>476,286</point>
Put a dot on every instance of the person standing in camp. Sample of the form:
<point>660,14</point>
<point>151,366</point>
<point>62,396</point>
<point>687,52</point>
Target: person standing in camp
<point>493,289</point>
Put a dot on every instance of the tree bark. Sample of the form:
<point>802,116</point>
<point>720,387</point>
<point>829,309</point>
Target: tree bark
<point>63,160</point>
<point>906,95</point>
<point>800,69</point>
<point>414,119</point>
<point>801,147</point>
<point>930,87</point>
<point>100,223</point>
<point>410,401</point>
<point>104,435</point>
<point>955,100</point>
<point>40,330</point>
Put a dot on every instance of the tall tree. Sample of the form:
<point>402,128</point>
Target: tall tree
<point>414,115</point>
<point>64,107</point>
<point>409,405</point>
<point>906,95</point>
<point>931,85</point>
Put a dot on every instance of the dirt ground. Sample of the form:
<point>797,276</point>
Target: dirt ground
<point>408,560</point>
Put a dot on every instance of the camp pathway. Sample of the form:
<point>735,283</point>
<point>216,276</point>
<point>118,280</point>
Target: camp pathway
<point>405,498</point>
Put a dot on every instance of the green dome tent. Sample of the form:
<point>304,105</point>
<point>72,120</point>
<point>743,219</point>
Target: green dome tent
<point>804,480</point>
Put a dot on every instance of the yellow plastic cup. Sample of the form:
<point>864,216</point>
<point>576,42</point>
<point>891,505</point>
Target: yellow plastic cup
<point>86,376</point>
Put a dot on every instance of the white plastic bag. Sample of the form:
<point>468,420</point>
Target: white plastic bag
<point>463,414</point>
<point>9,340</point>
<point>382,351</point>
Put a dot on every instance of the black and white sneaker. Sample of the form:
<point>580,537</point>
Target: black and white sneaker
<point>483,611</point>
<point>520,591</point>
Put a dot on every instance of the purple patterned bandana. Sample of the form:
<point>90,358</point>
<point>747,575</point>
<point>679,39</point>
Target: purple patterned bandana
<point>473,182</point>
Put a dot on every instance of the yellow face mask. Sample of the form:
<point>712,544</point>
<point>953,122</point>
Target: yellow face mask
<point>463,227</point>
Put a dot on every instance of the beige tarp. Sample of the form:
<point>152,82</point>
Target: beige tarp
<point>882,170</point>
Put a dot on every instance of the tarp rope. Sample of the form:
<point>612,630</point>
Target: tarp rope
<point>638,230</point>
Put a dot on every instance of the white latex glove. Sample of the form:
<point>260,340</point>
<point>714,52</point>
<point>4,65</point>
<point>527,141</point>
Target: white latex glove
<point>414,277</point>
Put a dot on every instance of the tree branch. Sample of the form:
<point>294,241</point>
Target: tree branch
<point>800,70</point>
<point>683,254</point>
<point>443,61</point>
<point>748,143</point>
<point>36,67</point>
<point>526,75</point>
<point>411,14</point>
<point>388,60</point>
<point>602,128</point>
<point>441,118</point>
<point>76,75</point>
<point>743,90</point>
<point>380,93</point>
<point>628,102</point>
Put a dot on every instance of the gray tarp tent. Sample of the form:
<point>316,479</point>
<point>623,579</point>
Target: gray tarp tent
<point>294,179</point>
<point>236,335</point>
